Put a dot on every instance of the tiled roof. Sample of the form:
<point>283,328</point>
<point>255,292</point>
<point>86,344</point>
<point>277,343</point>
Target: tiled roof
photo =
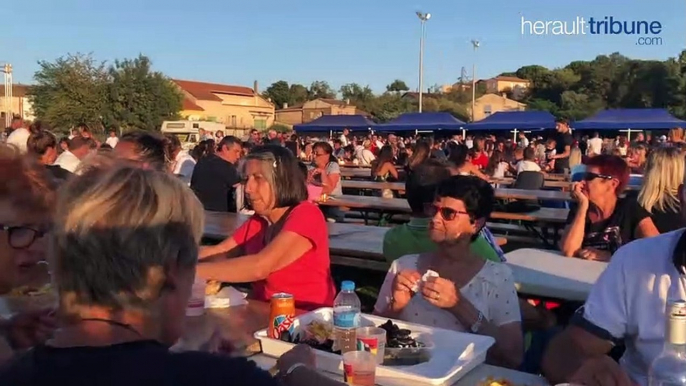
<point>18,90</point>
<point>205,91</point>
<point>511,79</point>
<point>333,101</point>
<point>190,105</point>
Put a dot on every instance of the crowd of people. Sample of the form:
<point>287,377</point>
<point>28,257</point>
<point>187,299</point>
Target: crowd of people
<point>119,225</point>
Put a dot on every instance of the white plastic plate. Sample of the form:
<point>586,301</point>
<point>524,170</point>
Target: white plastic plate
<point>453,356</point>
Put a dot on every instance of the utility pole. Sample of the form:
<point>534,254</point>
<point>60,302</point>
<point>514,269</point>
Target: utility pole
<point>476,45</point>
<point>7,70</point>
<point>423,17</point>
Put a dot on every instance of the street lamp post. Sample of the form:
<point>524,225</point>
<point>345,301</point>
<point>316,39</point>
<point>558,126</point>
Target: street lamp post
<point>7,70</point>
<point>423,17</point>
<point>476,45</point>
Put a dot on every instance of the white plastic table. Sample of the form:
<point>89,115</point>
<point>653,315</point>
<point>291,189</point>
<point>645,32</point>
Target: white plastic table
<point>549,274</point>
<point>472,378</point>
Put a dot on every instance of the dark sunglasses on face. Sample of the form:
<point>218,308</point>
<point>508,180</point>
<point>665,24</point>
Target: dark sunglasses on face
<point>588,176</point>
<point>448,214</point>
<point>20,237</point>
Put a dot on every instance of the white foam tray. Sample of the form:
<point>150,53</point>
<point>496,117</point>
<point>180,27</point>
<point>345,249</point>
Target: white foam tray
<point>454,354</point>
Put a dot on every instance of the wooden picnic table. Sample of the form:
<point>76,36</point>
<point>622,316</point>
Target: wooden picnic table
<point>400,205</point>
<point>550,274</point>
<point>502,193</point>
<point>353,245</point>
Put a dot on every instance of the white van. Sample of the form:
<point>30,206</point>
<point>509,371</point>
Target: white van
<point>188,132</point>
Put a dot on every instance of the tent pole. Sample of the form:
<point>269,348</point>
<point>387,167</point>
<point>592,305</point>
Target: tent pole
<point>514,135</point>
<point>464,134</point>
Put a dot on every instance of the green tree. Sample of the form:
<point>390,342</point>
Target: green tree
<point>279,93</point>
<point>140,98</point>
<point>297,94</point>
<point>397,86</point>
<point>321,89</point>
<point>70,91</point>
<point>356,93</point>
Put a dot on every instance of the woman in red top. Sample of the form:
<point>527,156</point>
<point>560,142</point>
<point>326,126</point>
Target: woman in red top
<point>480,158</point>
<point>284,246</point>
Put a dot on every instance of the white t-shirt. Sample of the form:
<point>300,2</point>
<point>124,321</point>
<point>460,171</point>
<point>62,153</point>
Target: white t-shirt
<point>365,156</point>
<point>18,138</point>
<point>492,291</point>
<point>595,146</point>
<point>501,169</point>
<point>184,165</point>
<point>527,166</point>
<point>112,141</point>
<point>524,142</point>
<point>628,301</point>
<point>68,161</point>
<point>344,140</point>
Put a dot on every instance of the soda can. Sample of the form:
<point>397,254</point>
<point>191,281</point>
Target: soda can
<point>282,316</point>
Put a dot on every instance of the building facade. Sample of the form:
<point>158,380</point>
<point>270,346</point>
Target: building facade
<point>501,84</point>
<point>311,110</point>
<point>489,104</point>
<point>18,105</point>
<point>236,107</point>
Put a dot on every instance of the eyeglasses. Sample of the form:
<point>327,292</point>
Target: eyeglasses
<point>20,237</point>
<point>588,176</point>
<point>448,214</point>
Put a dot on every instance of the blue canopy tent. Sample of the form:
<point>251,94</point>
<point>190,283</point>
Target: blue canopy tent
<point>335,123</point>
<point>515,121</point>
<point>422,121</point>
<point>628,120</point>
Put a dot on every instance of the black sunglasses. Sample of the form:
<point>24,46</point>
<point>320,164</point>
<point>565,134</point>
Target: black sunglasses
<point>588,176</point>
<point>448,214</point>
<point>21,237</point>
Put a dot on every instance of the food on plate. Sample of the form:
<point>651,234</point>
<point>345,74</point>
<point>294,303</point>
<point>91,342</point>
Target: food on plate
<point>397,337</point>
<point>496,382</point>
<point>401,348</point>
<point>28,290</point>
<point>29,298</point>
<point>213,287</point>
<point>317,334</point>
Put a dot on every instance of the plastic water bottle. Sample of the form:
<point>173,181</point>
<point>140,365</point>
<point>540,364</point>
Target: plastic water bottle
<point>346,318</point>
<point>669,368</point>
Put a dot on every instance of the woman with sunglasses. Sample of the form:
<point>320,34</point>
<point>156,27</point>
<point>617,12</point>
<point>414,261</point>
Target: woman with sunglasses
<point>601,221</point>
<point>469,294</point>
<point>26,198</point>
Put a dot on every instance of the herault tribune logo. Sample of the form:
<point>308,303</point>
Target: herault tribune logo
<point>647,32</point>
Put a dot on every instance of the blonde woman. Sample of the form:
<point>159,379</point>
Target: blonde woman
<point>676,135</point>
<point>659,195</point>
<point>125,248</point>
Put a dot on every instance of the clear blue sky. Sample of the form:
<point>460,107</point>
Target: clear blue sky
<point>369,42</point>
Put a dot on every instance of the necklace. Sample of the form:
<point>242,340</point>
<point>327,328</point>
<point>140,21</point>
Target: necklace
<point>125,326</point>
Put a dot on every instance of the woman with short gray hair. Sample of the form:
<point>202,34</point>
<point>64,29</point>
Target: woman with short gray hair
<point>125,246</point>
<point>284,246</point>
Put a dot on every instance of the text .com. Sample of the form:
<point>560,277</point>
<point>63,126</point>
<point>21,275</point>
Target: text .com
<point>647,33</point>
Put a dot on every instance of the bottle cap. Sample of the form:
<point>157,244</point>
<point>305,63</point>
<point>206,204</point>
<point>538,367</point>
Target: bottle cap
<point>348,285</point>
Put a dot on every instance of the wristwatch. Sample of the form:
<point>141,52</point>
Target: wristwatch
<point>477,325</point>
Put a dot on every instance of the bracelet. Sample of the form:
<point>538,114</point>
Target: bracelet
<point>292,369</point>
